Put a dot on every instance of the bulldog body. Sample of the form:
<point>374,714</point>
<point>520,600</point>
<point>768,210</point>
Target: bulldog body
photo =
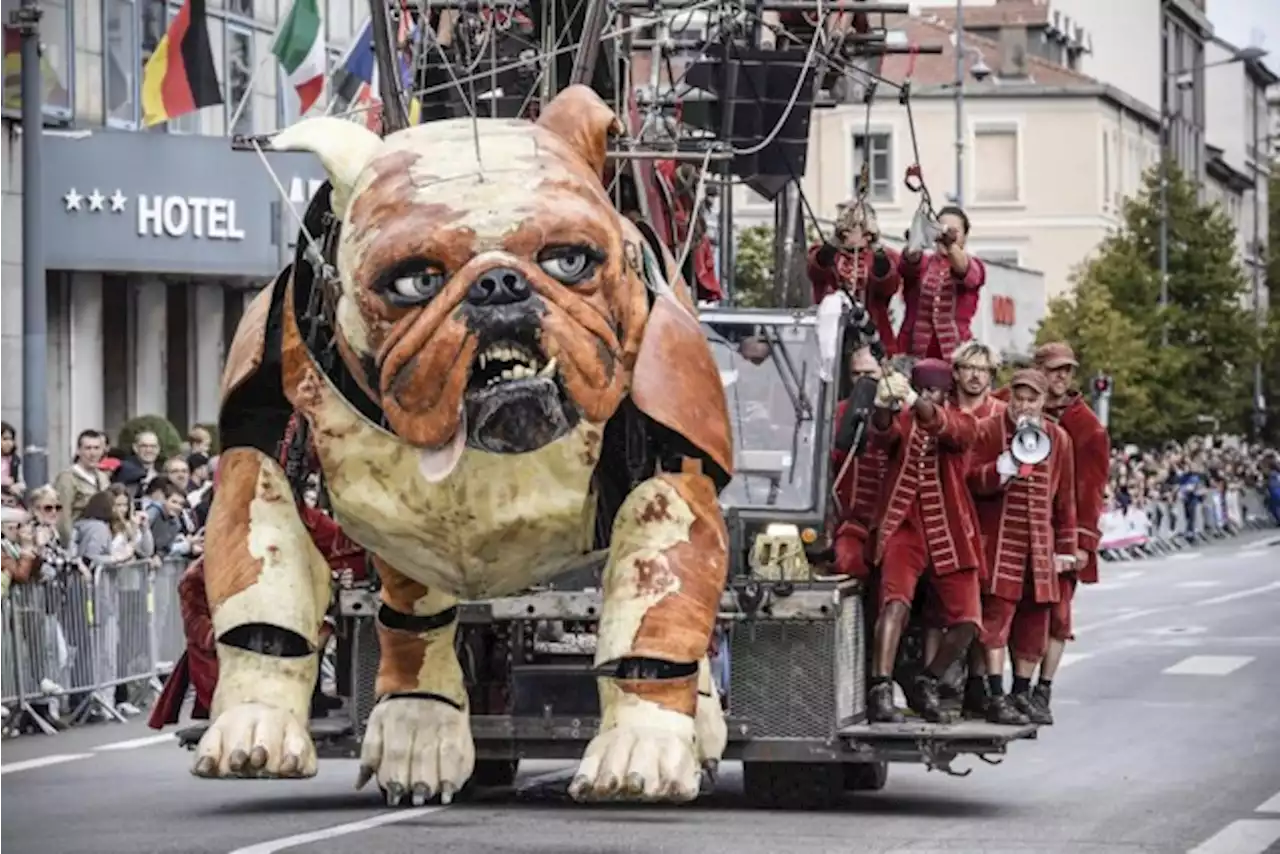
<point>499,340</point>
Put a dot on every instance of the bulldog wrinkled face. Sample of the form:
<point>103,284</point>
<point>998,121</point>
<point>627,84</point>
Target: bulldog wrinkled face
<point>485,297</point>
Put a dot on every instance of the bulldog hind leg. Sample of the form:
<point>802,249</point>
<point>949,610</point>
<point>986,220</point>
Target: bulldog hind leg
<point>268,589</point>
<point>418,740</point>
<point>662,588</point>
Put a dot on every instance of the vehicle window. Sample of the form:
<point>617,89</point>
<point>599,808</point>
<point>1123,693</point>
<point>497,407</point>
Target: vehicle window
<point>774,408</point>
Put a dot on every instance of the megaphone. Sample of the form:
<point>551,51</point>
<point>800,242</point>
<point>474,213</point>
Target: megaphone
<point>924,230</point>
<point>1031,444</point>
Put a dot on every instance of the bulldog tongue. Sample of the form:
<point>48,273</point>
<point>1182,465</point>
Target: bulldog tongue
<point>437,464</point>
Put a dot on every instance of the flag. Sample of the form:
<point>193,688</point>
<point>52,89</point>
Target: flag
<point>355,82</point>
<point>180,77</point>
<point>299,46</point>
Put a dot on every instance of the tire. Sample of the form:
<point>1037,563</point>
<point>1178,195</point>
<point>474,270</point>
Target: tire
<point>793,785</point>
<point>866,776</point>
<point>495,773</point>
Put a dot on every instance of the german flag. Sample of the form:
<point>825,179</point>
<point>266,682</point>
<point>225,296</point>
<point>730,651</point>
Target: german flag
<point>180,77</point>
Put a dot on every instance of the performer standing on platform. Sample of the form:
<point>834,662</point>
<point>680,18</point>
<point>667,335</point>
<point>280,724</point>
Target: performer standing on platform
<point>1091,448</point>
<point>858,479</point>
<point>854,260</point>
<point>1027,516</point>
<point>941,291</point>
<point>927,528</point>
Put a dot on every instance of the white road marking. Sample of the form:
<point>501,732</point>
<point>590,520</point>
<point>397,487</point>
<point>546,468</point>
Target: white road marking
<point>1124,617</point>
<point>1241,594</point>
<point>1069,658</point>
<point>1131,574</point>
<point>281,844</point>
<point>1247,836</point>
<point>145,741</point>
<point>1208,665</point>
<point>1272,804</point>
<point>1252,553</point>
<point>54,759</point>
<point>1185,556</point>
<point>1197,585</point>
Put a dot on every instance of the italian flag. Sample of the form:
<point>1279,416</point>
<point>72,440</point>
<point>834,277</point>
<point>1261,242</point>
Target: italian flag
<point>300,48</point>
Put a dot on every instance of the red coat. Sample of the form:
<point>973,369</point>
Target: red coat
<point>991,405</point>
<point>874,292</point>
<point>1092,448</point>
<point>928,462</point>
<point>857,489</point>
<point>198,666</point>
<point>940,306</point>
<point>1027,518</point>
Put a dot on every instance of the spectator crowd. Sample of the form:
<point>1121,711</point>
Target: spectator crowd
<point>1204,488</point>
<point>111,508</point>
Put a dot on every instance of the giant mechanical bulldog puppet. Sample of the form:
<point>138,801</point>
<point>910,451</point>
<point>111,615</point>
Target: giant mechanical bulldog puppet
<point>510,376</point>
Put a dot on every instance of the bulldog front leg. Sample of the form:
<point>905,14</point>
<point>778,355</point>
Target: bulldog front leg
<point>268,589</point>
<point>418,741</point>
<point>662,588</point>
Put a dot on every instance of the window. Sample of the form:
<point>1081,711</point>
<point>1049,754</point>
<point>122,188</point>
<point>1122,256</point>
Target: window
<point>55,61</point>
<point>123,69</point>
<point>1106,169</point>
<point>874,149</point>
<point>238,78</point>
<point>995,159</point>
<point>1000,256</point>
<point>243,8</point>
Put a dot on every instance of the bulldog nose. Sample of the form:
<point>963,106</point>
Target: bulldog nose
<point>501,286</point>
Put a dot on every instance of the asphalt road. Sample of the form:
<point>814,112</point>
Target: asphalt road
<point>1168,740</point>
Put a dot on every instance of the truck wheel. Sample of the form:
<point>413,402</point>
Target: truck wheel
<point>495,773</point>
<point>793,785</point>
<point>866,776</point>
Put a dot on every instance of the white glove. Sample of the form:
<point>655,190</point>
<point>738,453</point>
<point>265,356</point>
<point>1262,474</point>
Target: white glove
<point>884,394</point>
<point>1064,563</point>
<point>902,390</point>
<point>1006,467</point>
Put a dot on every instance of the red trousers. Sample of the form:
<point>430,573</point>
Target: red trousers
<point>906,560</point>
<point>1021,626</point>
<point>1056,620</point>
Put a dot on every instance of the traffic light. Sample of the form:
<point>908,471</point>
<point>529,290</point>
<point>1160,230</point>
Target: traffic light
<point>1101,385</point>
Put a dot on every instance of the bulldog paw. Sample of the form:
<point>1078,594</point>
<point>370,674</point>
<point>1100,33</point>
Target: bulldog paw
<point>708,722</point>
<point>640,762</point>
<point>254,740</point>
<point>417,747</point>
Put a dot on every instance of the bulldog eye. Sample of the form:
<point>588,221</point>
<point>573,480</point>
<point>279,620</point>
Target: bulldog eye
<point>407,287</point>
<point>570,265</point>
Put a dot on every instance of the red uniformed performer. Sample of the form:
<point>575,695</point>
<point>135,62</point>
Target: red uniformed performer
<point>1092,447</point>
<point>973,368</point>
<point>940,290</point>
<point>854,260</point>
<point>858,480</point>
<point>927,529</point>
<point>1027,516</point>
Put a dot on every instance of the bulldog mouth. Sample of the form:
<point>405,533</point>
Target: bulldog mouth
<point>515,401</point>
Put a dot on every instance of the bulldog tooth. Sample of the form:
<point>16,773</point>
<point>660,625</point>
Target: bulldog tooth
<point>508,374</point>
<point>484,359</point>
<point>549,368</point>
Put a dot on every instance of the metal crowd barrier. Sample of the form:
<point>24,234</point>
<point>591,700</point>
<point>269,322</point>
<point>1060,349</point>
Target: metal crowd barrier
<point>85,644</point>
<point>1172,524</point>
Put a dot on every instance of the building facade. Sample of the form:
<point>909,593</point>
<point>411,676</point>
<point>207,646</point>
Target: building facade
<point>154,239</point>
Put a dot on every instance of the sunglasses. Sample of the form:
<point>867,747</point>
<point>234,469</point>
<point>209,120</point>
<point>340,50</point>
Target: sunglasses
<point>47,507</point>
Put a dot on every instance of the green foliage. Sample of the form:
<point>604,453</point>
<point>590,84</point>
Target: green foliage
<point>170,438</point>
<point>1114,321</point>
<point>753,268</point>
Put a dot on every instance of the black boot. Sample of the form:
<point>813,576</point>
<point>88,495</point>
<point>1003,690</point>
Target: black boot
<point>1026,703</point>
<point>925,699</point>
<point>1001,711</point>
<point>975,698</point>
<point>880,708</point>
<point>1041,695</point>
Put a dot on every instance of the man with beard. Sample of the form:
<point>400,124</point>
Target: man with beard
<point>927,528</point>
<point>1027,515</point>
<point>1091,448</point>
<point>854,260</point>
<point>973,368</point>
<point>858,477</point>
<point>940,291</point>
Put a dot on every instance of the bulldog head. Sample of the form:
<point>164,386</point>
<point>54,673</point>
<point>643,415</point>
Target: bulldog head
<point>486,298</point>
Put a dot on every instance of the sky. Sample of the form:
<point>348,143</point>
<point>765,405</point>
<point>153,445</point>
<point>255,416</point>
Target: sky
<point>1248,23</point>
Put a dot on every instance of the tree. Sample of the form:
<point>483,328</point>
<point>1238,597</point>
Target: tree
<point>1106,340</point>
<point>753,268</point>
<point>1207,368</point>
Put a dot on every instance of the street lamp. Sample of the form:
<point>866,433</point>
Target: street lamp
<point>1186,79</point>
<point>980,71</point>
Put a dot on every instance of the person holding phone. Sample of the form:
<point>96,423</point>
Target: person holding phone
<point>856,261</point>
<point>940,290</point>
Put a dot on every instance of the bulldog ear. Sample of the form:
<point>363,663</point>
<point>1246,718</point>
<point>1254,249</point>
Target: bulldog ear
<point>344,149</point>
<point>580,118</point>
